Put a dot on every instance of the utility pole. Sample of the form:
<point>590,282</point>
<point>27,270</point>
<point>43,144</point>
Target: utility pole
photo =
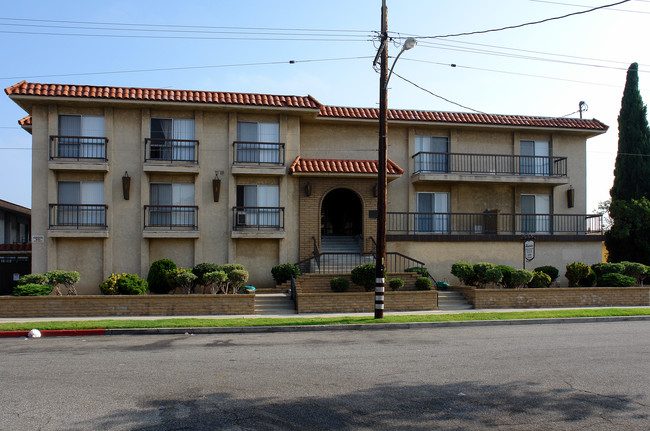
<point>380,258</point>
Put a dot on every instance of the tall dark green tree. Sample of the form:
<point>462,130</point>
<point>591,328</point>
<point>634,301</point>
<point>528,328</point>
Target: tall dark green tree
<point>629,237</point>
<point>632,169</point>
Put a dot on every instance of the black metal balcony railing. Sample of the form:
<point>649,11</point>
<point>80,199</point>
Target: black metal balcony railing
<point>72,216</point>
<point>258,153</point>
<point>173,217</point>
<point>493,223</point>
<point>490,164</point>
<point>260,218</point>
<point>171,150</point>
<point>78,147</point>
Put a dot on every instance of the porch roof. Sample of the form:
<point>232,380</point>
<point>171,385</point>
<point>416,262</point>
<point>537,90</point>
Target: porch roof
<point>342,166</point>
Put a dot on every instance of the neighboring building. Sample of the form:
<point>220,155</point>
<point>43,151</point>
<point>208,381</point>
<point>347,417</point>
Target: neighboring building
<point>125,176</point>
<point>15,247</point>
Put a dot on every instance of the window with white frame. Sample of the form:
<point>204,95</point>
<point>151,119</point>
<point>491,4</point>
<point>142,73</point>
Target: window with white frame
<point>258,205</point>
<point>258,142</point>
<point>431,153</point>
<point>535,158</point>
<point>172,204</point>
<point>536,210</point>
<point>80,203</point>
<point>172,139</point>
<point>432,212</point>
<point>81,136</point>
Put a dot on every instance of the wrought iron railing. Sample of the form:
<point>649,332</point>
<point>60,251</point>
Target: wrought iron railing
<point>78,147</point>
<point>490,164</point>
<point>72,216</point>
<point>171,150</point>
<point>260,218</point>
<point>173,217</point>
<point>493,223</point>
<point>333,262</point>
<point>258,153</point>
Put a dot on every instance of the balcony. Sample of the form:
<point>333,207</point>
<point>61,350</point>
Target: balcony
<point>78,153</point>
<point>491,168</point>
<point>258,222</point>
<point>171,155</point>
<point>171,221</point>
<point>70,220</point>
<point>258,158</point>
<point>488,225</point>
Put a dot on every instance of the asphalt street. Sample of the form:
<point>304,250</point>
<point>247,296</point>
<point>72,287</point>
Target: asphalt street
<point>556,376</point>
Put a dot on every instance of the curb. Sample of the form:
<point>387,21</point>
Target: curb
<point>321,328</point>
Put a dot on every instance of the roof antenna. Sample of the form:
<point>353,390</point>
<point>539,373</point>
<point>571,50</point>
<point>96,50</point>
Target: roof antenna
<point>582,107</point>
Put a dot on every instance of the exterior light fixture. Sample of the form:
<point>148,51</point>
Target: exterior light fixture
<point>308,189</point>
<point>126,185</point>
<point>216,186</point>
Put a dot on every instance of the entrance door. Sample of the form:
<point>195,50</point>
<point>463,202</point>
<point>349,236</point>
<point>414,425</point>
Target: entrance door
<point>341,213</point>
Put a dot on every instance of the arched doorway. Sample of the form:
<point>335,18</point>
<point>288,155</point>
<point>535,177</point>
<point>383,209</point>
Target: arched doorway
<point>341,217</point>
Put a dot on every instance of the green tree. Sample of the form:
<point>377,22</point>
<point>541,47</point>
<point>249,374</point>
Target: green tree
<point>629,238</point>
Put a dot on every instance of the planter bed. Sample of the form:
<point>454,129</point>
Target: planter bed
<point>127,305</point>
<point>556,297</point>
<point>360,302</point>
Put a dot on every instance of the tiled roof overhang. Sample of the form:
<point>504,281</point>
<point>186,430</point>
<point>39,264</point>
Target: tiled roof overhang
<point>342,167</point>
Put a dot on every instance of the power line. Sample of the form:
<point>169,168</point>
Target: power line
<point>510,27</point>
<point>580,5</point>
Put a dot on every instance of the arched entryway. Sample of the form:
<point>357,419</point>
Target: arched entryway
<point>341,218</point>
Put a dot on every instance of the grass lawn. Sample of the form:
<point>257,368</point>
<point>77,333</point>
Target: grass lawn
<point>188,322</point>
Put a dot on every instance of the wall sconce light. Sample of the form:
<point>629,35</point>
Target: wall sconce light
<point>375,190</point>
<point>216,186</point>
<point>126,185</point>
<point>570,197</point>
<point>308,189</point>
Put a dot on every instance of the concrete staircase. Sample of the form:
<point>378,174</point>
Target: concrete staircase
<point>451,300</point>
<point>340,244</point>
<point>334,263</point>
<point>274,303</point>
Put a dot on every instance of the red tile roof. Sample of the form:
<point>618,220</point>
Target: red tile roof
<point>27,121</point>
<point>151,94</point>
<point>462,117</point>
<point>338,166</point>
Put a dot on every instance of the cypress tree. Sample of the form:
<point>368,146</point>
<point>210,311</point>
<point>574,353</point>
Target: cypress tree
<point>632,172</point>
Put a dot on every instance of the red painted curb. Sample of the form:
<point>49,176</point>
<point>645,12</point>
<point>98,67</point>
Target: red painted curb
<point>55,333</point>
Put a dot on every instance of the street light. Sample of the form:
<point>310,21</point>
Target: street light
<point>382,180</point>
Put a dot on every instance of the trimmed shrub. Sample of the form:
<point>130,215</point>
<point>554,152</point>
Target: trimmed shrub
<point>237,278</point>
<point>575,272</point>
<point>109,286</point>
<point>216,281</point>
<point>63,278</point>
<point>637,271</point>
<point>123,284</point>
<point>282,273</point>
<point>160,276</point>
<point>486,273</point>
<point>520,277</point>
<point>506,275</point>
<point>396,284</point>
<point>32,289</point>
<point>423,283</point>
<point>184,279</point>
<point>539,280</point>
<point>549,270</point>
<point>32,279</point>
<point>418,269</point>
<point>340,284</point>
<point>203,268</point>
<point>364,275</point>
<point>230,267</point>
<point>464,272</point>
<point>614,279</point>
<point>608,268</point>
<point>589,280</point>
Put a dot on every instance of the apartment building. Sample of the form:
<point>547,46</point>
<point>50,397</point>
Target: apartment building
<point>125,176</point>
<point>15,247</point>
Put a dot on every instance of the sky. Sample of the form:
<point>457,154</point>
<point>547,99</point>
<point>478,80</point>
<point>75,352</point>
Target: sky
<point>326,49</point>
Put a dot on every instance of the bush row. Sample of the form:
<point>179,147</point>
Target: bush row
<point>44,284</point>
<point>165,277</point>
<point>623,274</point>
<point>364,275</point>
<point>485,274</point>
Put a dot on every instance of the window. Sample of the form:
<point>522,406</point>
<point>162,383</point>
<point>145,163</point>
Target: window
<point>534,158</point>
<point>172,204</point>
<point>172,139</point>
<point>81,136</point>
<point>258,142</point>
<point>540,208</point>
<point>258,205</point>
<point>433,212</point>
<point>432,155</point>
<point>80,203</point>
